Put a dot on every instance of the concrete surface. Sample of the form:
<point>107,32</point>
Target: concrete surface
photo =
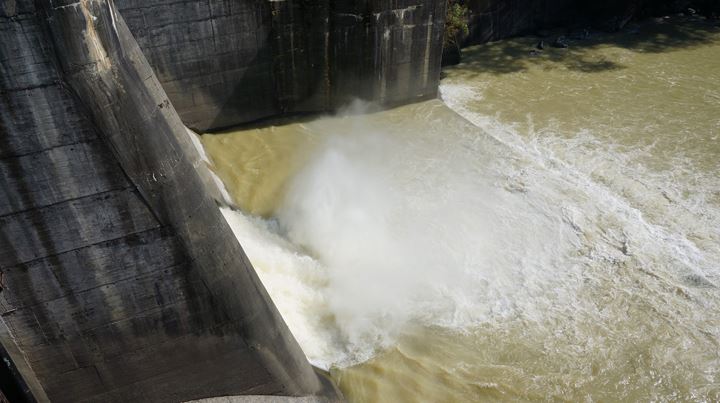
<point>122,280</point>
<point>227,62</point>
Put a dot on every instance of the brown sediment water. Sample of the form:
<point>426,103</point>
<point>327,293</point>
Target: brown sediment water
<point>551,231</point>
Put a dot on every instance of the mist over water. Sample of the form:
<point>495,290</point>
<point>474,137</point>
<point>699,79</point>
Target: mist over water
<point>409,228</point>
<point>523,251</point>
<point>411,232</point>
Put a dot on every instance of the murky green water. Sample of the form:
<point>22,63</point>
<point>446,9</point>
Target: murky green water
<point>565,246</point>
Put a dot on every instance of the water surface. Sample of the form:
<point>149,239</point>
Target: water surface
<point>559,241</point>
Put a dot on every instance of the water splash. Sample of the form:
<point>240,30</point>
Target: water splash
<point>497,258</point>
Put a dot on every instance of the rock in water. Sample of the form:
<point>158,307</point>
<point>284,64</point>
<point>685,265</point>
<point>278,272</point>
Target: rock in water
<point>560,42</point>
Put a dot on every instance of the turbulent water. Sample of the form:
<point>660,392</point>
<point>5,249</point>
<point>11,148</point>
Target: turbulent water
<point>550,232</point>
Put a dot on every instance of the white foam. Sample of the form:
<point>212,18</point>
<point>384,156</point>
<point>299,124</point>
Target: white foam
<point>195,139</point>
<point>383,231</point>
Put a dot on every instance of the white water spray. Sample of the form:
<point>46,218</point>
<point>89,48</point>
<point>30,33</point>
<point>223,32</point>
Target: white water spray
<point>395,224</point>
<point>572,259</point>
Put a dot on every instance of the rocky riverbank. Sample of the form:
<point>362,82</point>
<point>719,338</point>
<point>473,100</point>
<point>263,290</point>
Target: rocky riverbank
<point>491,20</point>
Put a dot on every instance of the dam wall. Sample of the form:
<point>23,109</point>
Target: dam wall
<point>227,62</point>
<point>120,280</point>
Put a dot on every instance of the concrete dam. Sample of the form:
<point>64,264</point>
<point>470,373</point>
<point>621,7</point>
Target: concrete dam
<point>504,243</point>
<point>121,280</point>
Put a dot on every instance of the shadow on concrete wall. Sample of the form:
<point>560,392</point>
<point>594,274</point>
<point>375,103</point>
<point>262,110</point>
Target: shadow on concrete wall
<point>285,71</point>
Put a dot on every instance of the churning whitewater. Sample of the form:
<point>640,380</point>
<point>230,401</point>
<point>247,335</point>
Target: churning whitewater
<point>394,241</point>
<point>459,254</point>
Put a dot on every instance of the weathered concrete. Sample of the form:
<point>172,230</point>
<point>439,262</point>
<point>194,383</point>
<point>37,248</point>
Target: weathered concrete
<point>227,62</point>
<point>122,280</point>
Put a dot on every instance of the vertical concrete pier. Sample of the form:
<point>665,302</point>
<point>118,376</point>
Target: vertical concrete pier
<point>122,280</point>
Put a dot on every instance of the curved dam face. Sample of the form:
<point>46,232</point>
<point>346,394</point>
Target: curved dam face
<point>121,280</point>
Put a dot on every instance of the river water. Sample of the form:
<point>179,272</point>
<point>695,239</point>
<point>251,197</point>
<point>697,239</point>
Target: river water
<point>548,231</point>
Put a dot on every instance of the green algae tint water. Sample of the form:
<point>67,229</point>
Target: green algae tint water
<point>550,232</point>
